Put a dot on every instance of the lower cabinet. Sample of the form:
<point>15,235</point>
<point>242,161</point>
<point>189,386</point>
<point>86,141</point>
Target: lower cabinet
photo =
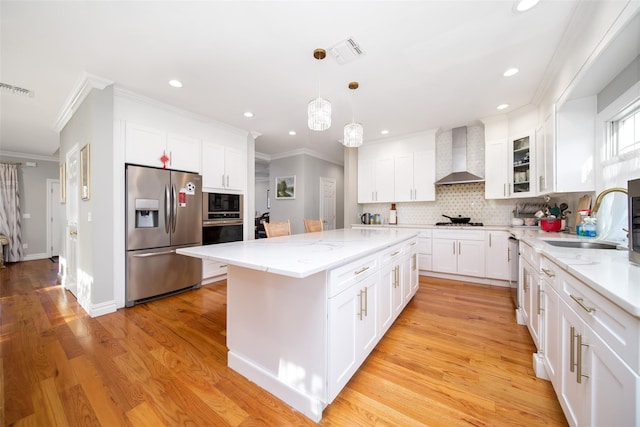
<point>213,271</point>
<point>459,252</point>
<point>354,331</point>
<point>530,292</point>
<point>497,257</point>
<point>596,385</point>
<point>365,298</point>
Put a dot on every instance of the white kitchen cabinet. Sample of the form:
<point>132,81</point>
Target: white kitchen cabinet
<point>391,287</point>
<point>529,291</point>
<point>521,165</point>
<point>415,177</point>
<point>146,146</point>
<point>425,250</point>
<point>546,156</point>
<point>459,252</point>
<point>213,271</point>
<point>497,257</point>
<point>410,279</point>
<point>590,351</point>
<point>496,180</point>
<point>223,167</point>
<point>354,331</point>
<point>375,180</point>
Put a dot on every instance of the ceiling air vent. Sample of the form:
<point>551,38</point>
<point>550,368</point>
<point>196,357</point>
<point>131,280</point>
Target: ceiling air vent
<point>15,90</point>
<point>346,51</point>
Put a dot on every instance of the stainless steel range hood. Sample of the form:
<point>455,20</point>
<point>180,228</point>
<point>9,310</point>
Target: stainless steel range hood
<point>460,175</point>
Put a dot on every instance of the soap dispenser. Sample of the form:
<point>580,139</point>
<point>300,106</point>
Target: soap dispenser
<point>393,215</point>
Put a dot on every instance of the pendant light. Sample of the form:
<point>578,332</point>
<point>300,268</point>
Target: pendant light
<point>353,132</point>
<point>319,109</point>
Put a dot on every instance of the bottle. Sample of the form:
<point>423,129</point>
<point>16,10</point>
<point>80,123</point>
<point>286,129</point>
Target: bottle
<point>589,227</point>
<point>580,225</point>
<point>393,215</point>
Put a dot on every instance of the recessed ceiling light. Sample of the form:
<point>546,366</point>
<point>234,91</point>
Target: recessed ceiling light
<point>384,132</point>
<point>502,106</point>
<point>175,83</point>
<point>511,72</point>
<point>292,132</point>
<point>248,114</point>
<point>524,5</point>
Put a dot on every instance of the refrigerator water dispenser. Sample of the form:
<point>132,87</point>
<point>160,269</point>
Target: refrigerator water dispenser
<point>147,213</point>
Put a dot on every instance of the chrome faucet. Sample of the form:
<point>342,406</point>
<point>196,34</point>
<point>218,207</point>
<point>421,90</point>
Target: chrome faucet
<point>596,204</point>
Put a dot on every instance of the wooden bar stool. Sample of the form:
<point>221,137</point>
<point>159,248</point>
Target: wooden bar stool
<point>4,240</point>
<point>277,228</point>
<point>312,225</point>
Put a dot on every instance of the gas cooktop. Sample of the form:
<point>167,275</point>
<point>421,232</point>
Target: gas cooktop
<point>468,224</point>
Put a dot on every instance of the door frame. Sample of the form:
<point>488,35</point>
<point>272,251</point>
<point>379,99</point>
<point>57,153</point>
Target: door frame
<point>51,199</point>
<point>321,200</point>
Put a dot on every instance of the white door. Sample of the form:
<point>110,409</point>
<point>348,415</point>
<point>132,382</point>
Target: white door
<point>71,259</point>
<point>53,217</point>
<point>328,203</point>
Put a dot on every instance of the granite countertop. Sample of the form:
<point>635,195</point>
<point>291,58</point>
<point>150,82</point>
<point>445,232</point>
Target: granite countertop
<point>607,271</point>
<point>301,255</point>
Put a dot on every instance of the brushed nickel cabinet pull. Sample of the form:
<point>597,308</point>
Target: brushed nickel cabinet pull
<point>366,302</point>
<point>572,360</point>
<point>395,253</point>
<point>489,239</point>
<point>362,270</point>
<point>454,247</point>
<point>579,374</point>
<point>539,300</point>
<point>548,272</point>
<point>360,307</point>
<point>580,302</point>
<point>414,259</point>
<point>459,248</point>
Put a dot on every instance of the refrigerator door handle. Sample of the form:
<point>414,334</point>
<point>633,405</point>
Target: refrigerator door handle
<point>154,254</point>
<point>167,208</point>
<point>174,208</point>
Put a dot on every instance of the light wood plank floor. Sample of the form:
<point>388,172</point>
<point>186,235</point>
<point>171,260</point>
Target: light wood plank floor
<point>455,356</point>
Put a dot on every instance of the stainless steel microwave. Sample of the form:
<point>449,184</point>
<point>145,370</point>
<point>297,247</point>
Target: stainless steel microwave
<point>220,206</point>
<point>634,220</point>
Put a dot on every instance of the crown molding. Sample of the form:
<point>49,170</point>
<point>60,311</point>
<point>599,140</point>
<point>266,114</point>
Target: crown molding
<point>141,99</point>
<point>306,151</point>
<point>28,156</point>
<point>79,93</point>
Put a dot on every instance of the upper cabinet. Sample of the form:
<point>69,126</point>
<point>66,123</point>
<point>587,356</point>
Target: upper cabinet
<point>223,167</point>
<point>150,146</point>
<point>509,166</point>
<point>399,170</point>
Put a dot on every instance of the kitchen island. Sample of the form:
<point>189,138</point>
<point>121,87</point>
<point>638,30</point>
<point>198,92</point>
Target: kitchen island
<point>304,311</point>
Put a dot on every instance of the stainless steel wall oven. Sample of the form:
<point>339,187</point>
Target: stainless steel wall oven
<point>222,218</point>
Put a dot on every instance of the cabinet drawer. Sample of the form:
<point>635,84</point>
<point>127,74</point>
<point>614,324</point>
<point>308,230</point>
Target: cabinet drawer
<point>458,234</point>
<point>529,254</point>
<point>392,254</point>
<point>213,268</point>
<point>615,326</point>
<point>342,277</point>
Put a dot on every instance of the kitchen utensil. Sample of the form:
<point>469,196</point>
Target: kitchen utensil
<point>539,214</point>
<point>365,218</point>
<point>550,224</point>
<point>530,222</point>
<point>458,220</point>
<point>563,207</point>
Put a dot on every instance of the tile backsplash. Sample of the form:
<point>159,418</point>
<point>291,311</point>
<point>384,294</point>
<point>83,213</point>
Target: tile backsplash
<point>466,200</point>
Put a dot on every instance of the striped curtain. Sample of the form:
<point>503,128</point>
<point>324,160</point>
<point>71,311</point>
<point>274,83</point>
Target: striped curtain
<point>10,211</point>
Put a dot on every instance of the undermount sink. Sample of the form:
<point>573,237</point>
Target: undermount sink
<point>581,244</point>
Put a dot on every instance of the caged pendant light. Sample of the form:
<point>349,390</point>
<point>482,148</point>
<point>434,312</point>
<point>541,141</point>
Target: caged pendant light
<point>319,109</point>
<point>353,132</point>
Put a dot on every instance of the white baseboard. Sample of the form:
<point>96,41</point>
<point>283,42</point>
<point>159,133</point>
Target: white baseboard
<point>470,279</point>
<point>33,257</point>
<point>103,308</point>
<point>538,366</point>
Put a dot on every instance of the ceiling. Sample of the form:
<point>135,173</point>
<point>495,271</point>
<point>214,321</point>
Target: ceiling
<point>426,64</point>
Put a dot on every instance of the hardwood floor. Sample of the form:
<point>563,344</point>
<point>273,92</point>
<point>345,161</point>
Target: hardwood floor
<point>455,356</point>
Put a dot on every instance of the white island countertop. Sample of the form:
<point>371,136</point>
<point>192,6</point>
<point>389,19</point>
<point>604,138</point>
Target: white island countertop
<point>301,255</point>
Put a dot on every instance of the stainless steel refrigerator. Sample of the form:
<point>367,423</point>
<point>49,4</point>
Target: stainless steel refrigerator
<point>163,213</point>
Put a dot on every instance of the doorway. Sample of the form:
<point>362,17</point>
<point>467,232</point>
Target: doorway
<point>70,273</point>
<point>328,203</point>
<point>53,217</point>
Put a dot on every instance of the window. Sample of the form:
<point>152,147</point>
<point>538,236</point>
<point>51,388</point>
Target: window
<point>624,136</point>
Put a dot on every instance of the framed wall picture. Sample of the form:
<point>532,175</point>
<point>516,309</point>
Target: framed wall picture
<point>85,172</point>
<point>63,183</point>
<point>286,187</point>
